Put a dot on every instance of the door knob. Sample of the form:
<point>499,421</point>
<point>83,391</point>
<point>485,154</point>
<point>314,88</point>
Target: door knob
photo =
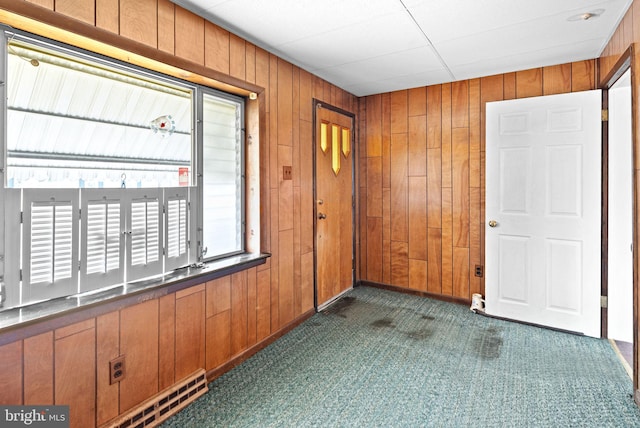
<point>322,216</point>
<point>493,223</point>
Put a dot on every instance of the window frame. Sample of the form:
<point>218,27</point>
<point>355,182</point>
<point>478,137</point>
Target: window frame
<point>194,189</point>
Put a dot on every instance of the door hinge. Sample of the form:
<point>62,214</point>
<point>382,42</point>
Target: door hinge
<point>604,302</point>
<point>605,115</point>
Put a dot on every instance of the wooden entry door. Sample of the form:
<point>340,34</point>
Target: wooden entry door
<point>543,198</point>
<point>333,204</point>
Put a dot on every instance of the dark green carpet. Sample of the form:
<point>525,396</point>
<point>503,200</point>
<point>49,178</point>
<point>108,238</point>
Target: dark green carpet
<point>382,359</point>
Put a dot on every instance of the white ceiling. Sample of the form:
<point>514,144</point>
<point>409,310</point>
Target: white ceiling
<point>375,46</point>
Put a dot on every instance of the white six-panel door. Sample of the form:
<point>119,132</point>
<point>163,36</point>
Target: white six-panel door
<point>543,211</point>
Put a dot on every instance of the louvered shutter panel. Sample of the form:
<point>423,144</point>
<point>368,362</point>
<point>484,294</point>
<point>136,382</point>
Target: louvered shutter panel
<point>103,243</point>
<point>12,246</point>
<point>177,227</point>
<point>50,244</point>
<point>144,246</point>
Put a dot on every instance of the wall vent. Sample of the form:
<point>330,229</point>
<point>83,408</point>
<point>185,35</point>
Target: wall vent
<point>164,404</point>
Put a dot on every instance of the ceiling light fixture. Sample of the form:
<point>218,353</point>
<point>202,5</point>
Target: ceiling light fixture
<point>585,16</point>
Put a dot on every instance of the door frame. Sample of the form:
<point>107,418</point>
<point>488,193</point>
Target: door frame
<point>354,153</point>
<point>624,63</point>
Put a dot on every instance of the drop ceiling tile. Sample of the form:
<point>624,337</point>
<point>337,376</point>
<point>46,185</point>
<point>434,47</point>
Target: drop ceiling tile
<point>441,22</point>
<point>282,21</point>
<point>376,37</point>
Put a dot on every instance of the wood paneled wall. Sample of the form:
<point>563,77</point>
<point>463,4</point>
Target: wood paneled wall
<point>208,325</point>
<point>421,177</point>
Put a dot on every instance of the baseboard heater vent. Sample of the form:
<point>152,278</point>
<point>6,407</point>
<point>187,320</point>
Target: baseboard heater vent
<point>164,404</point>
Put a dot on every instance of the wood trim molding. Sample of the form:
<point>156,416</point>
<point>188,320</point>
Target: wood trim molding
<point>450,299</point>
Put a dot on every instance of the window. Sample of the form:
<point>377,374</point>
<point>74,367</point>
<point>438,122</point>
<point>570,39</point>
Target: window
<point>111,174</point>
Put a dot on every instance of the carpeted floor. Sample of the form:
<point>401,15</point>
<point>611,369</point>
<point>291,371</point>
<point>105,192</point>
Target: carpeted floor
<point>383,359</point>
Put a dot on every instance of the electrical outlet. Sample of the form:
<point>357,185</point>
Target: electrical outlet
<point>116,370</point>
<point>286,173</point>
<point>479,271</point>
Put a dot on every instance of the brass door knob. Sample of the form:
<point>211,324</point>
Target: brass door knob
<point>493,223</point>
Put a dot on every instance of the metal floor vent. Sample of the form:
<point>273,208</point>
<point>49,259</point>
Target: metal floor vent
<point>164,404</point>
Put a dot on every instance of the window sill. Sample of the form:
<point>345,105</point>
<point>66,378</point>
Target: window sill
<point>37,318</point>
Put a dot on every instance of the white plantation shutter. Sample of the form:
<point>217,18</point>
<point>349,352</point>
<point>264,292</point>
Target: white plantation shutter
<point>50,250</point>
<point>144,246</point>
<point>177,227</point>
<point>102,243</point>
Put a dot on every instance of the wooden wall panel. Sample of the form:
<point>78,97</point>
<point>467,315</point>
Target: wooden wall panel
<point>75,365</point>
<point>418,274</point>
<point>374,126</point>
<point>417,162</point>
<point>11,379</point>
<point>139,21</point>
<point>529,83</point>
<point>374,186</point>
<point>166,341</point>
<point>107,395</point>
<point>239,316</point>
<point>189,41</point>
<point>83,10</point>
<point>38,369</point>
<point>217,44</point>
<point>418,218</point>
<point>44,3</point>
<point>556,79</point>
<point>399,156</point>
<point>374,249</point>
<point>190,331</point>
<point>108,16</point>
<point>399,112</point>
<point>166,21</point>
<point>285,277</point>
<point>449,171</point>
<point>139,330</point>
<point>263,305</point>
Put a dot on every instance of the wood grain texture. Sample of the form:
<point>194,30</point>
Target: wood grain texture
<point>461,272</point>
<point>218,296</point>
<point>285,103</point>
<point>556,79</point>
<point>434,261</point>
<point>285,194</point>
<point>434,116</point>
<point>139,345</point>
<point>386,140</point>
<point>447,242</point>
<point>139,21</point>
<point>399,112</point>
<point>418,274</point>
<point>44,3</point>
<point>460,104</point>
<point>263,304</point>
<point>217,48</point>
<point>417,101</point>
<point>374,249</point>
<point>218,339</point>
<point>400,263</point>
<point>108,16</point>
<point>374,126</point>
<point>285,277</point>
<point>446,135</point>
<point>583,75</point>
<point>166,341</point>
<point>38,369</point>
<point>190,334</point>
<point>418,218</point>
<point>374,187</point>
<point>399,190</point>
<point>509,86</point>
<point>386,236</point>
<point>75,365</point>
<point>417,162</point>
<point>166,21</point>
<point>475,249</point>
<point>11,373</point>
<point>189,41</point>
<point>107,395</point>
<point>252,304</point>
<point>237,57</point>
<point>239,317</point>
<point>460,163</point>
<point>434,188</point>
<point>83,10</point>
<point>529,83</point>
<point>474,133</point>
